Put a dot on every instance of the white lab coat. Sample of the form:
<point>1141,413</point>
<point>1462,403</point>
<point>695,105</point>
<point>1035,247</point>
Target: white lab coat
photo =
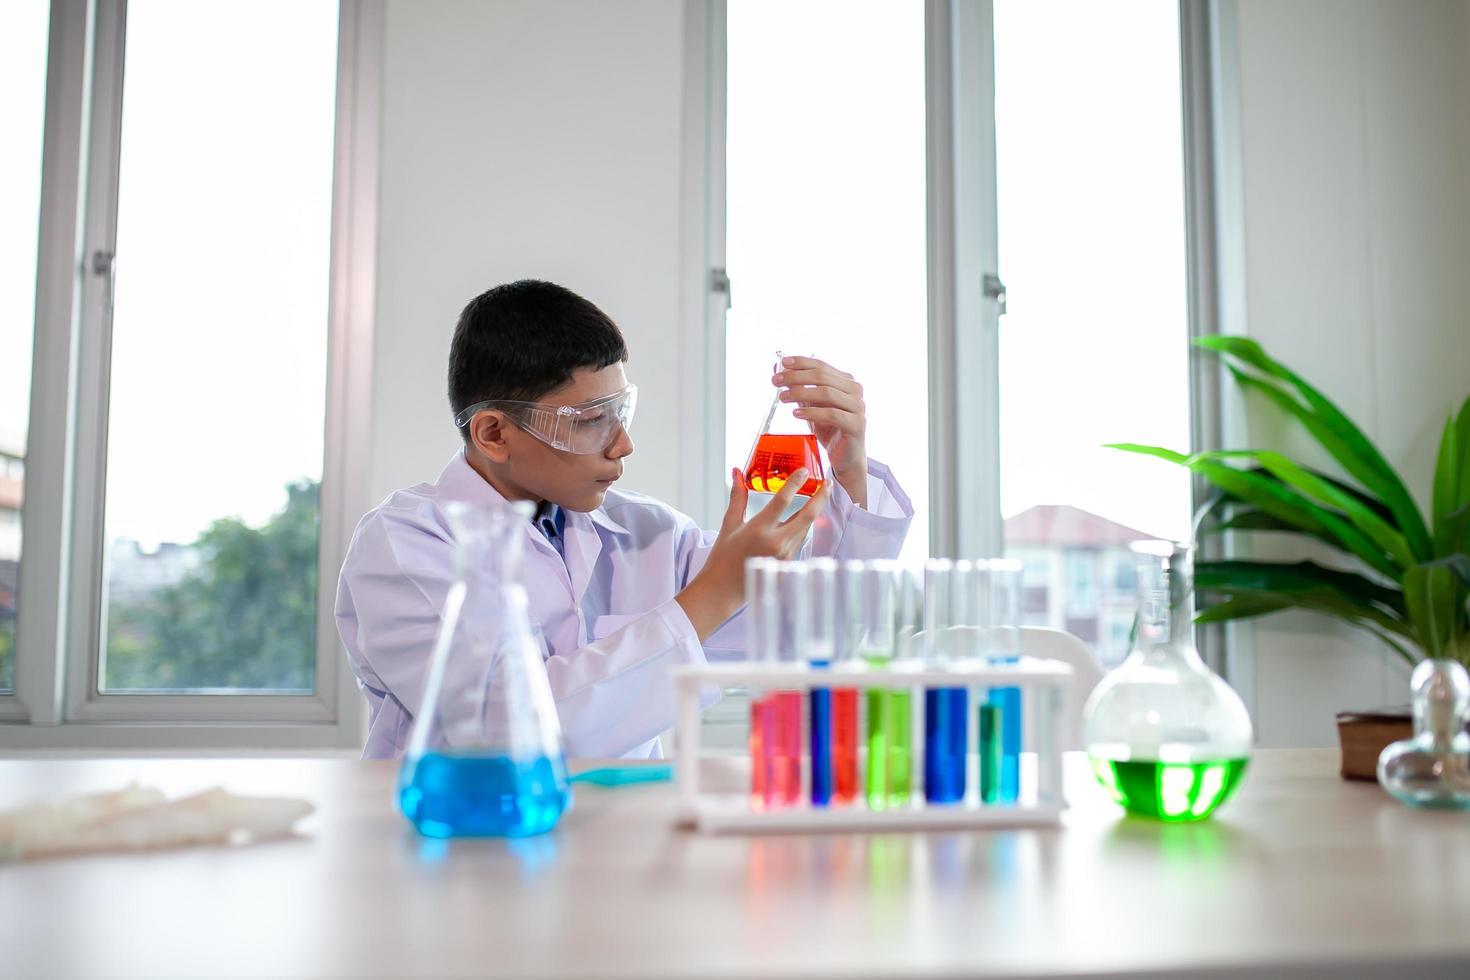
<point>606,615</point>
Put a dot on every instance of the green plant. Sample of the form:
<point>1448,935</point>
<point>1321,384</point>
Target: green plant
<point>1411,589</point>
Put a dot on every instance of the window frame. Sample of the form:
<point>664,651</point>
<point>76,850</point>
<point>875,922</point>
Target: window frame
<point>57,703</point>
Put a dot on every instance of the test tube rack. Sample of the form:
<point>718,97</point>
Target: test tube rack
<point>1048,693</point>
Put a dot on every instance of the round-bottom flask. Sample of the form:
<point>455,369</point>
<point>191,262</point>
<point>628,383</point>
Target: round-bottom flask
<point>1166,737</point>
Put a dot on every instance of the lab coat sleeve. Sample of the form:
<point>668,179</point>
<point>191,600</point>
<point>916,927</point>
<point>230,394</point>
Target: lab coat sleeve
<point>611,695</point>
<point>390,597</point>
<point>844,531</point>
<point>618,692</point>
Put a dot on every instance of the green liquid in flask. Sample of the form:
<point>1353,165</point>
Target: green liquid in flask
<point>1171,791</point>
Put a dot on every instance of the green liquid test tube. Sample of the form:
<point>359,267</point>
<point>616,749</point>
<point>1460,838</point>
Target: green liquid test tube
<point>890,745</point>
<point>991,756</point>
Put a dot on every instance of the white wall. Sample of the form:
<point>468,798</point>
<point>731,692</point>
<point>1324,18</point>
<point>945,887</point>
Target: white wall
<point>1346,210</point>
<point>525,138</point>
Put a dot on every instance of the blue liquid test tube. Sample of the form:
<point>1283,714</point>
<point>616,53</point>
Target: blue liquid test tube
<point>821,743</point>
<point>817,641</point>
<point>945,711</point>
<point>950,621</point>
<point>1008,701</point>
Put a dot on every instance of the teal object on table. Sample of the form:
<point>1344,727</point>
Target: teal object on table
<point>625,775</point>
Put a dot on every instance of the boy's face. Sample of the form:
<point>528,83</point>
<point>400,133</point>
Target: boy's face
<point>528,469</point>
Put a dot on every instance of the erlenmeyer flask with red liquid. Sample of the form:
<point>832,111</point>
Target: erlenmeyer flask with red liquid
<point>784,445</point>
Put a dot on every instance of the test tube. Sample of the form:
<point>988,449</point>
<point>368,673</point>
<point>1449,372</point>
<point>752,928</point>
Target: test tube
<point>949,631</point>
<point>1002,589</point>
<point>845,785</point>
<point>818,644</point>
<point>774,593</point>
<point>883,598</point>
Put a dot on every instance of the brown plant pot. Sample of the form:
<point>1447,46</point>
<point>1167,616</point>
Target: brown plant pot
<point>1365,734</point>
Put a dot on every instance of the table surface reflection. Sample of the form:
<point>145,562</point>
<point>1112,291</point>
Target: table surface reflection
<point>1301,874</point>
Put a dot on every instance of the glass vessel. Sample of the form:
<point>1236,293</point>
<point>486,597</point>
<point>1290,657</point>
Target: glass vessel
<point>485,755</point>
<point>775,618</point>
<point>1166,737</point>
<point>883,605</point>
<point>784,445</point>
<point>1000,716</point>
<point>952,623</point>
<point>833,728</point>
<point>1432,769</point>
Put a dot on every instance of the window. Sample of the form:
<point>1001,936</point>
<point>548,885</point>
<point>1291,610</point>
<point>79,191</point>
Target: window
<point>1081,583</point>
<point>825,215</point>
<point>1125,574</point>
<point>219,347</point>
<point>196,400</point>
<point>1091,242</point>
<point>23,49</point>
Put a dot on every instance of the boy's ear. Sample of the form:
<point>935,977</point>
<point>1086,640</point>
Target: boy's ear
<point>487,434</point>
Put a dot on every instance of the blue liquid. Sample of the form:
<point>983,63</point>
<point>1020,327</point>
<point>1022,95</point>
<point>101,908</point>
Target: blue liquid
<point>945,709</point>
<point>821,742</point>
<point>1008,700</point>
<point>483,795</point>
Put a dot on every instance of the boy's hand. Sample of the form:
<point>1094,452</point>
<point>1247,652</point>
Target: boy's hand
<point>831,401</point>
<point>718,591</point>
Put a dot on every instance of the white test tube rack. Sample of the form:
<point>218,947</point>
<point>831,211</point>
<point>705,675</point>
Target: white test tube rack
<point>1048,696</point>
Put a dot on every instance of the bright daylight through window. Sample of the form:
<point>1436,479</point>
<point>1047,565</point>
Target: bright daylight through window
<point>22,112</point>
<point>825,207</point>
<point>214,451</point>
<point>1094,346</point>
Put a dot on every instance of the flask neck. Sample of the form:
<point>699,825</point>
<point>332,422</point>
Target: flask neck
<point>488,543</point>
<point>1166,604</point>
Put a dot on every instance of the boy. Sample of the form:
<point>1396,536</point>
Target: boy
<point>622,588</point>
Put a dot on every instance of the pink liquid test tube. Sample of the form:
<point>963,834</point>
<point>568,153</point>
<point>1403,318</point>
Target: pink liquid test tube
<point>775,716</point>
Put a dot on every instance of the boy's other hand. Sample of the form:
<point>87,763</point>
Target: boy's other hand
<point>718,591</point>
<point>831,401</point>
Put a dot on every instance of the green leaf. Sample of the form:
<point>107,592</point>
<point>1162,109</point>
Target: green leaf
<point>1458,565</point>
<point>1248,606</point>
<point>1446,497</point>
<point>1269,494</point>
<point>1342,439</point>
<point>1463,442</point>
<point>1433,596</point>
<point>1455,526</point>
<point>1159,451</point>
<point>1251,519</point>
<point>1287,578</point>
<point>1379,531</point>
<point>1242,607</point>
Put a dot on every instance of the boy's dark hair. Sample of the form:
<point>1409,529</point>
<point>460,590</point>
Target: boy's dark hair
<point>523,339</point>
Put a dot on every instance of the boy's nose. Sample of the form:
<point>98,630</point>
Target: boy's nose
<point>621,446</point>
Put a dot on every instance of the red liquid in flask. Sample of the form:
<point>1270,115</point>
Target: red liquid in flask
<point>776,457</point>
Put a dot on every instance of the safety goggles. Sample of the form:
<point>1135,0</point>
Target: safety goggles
<point>581,429</point>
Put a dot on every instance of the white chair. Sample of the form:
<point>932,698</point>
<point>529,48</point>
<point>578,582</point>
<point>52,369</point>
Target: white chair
<point>1045,643</point>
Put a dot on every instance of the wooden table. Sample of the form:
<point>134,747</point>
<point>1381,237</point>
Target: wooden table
<point>1301,874</point>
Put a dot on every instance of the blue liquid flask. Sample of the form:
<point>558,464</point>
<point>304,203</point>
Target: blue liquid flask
<point>485,755</point>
